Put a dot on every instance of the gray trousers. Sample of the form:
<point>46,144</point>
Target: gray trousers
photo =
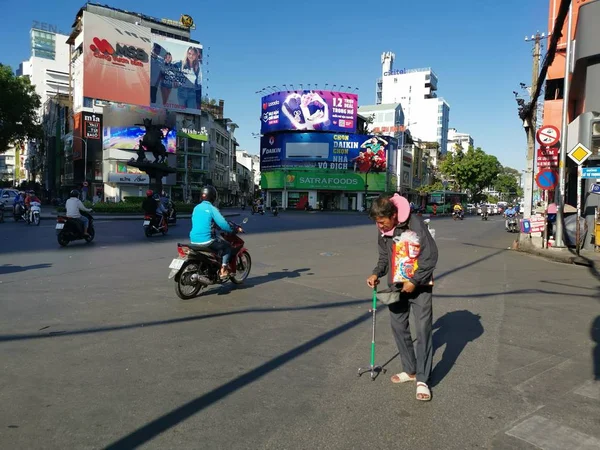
<point>420,303</point>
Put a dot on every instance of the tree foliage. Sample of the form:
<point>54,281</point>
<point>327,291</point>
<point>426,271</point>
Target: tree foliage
<point>18,109</point>
<point>473,170</point>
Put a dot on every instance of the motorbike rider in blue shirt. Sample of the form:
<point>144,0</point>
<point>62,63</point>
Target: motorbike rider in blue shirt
<point>509,213</point>
<point>19,203</point>
<point>203,233</point>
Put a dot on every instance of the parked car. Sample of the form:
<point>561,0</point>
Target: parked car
<point>7,198</point>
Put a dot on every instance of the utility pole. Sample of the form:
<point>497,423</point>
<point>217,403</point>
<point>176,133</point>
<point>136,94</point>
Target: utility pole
<point>560,192</point>
<point>531,127</point>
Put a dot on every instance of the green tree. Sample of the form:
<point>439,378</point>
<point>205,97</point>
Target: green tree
<point>18,109</point>
<point>506,183</point>
<point>473,170</point>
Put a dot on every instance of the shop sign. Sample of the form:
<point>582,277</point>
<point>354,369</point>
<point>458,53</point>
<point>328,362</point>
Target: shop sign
<point>124,178</point>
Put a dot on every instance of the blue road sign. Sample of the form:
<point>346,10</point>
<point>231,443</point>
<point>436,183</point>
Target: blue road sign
<point>590,172</point>
<point>547,179</point>
<point>595,189</point>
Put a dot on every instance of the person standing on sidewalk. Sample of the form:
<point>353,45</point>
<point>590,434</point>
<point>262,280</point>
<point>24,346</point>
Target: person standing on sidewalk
<point>393,217</point>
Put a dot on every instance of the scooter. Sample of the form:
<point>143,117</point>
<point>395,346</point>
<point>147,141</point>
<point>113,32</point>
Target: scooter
<point>35,211</point>
<point>260,209</point>
<point>198,267</point>
<point>155,224</point>
<point>275,211</point>
<point>512,226</point>
<point>20,213</point>
<point>458,215</point>
<point>484,214</point>
<point>68,230</point>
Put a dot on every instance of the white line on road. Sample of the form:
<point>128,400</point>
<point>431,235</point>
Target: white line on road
<point>591,389</point>
<point>549,435</point>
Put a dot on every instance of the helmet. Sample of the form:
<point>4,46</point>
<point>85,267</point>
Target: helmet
<point>209,194</point>
<point>74,193</point>
<point>149,193</point>
<point>156,197</point>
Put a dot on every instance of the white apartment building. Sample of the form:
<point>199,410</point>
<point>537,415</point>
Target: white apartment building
<point>456,139</point>
<point>426,115</point>
<point>7,164</point>
<point>251,162</point>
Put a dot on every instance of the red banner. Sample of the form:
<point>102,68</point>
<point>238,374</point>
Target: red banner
<point>547,158</point>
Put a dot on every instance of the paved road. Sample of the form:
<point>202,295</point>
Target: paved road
<point>96,350</point>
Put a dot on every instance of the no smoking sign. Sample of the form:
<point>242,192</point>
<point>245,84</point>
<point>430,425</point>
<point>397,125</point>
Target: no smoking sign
<point>548,136</point>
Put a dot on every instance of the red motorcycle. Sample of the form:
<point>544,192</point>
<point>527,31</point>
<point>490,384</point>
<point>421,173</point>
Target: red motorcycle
<point>198,267</point>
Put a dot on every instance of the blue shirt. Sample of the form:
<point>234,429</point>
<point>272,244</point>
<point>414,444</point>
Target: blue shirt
<point>203,217</point>
<point>510,212</point>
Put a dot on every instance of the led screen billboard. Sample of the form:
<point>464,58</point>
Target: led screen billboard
<point>355,152</point>
<point>309,110</point>
<point>116,57</point>
<point>124,126</point>
<point>176,75</point>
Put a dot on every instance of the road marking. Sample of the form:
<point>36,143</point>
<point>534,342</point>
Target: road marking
<point>549,435</point>
<point>591,389</point>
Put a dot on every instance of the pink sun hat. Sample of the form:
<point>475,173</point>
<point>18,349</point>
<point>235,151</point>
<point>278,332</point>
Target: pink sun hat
<point>402,206</point>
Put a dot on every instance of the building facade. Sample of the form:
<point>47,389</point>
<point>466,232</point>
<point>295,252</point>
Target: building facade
<point>458,141</point>
<point>426,115</point>
<point>252,162</point>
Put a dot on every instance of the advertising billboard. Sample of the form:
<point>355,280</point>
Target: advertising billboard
<point>116,57</point>
<point>356,152</point>
<point>322,180</point>
<point>176,75</point>
<point>87,126</point>
<point>124,126</point>
<point>309,110</point>
<point>188,126</point>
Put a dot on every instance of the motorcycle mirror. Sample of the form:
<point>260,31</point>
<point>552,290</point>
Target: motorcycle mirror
<point>245,220</point>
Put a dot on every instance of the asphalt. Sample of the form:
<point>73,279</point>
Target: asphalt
<point>96,351</point>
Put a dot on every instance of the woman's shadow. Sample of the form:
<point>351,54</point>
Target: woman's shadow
<point>455,329</point>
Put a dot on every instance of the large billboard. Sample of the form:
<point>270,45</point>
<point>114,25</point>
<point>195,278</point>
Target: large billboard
<point>124,126</point>
<point>309,110</point>
<point>322,180</point>
<point>87,127</point>
<point>116,60</point>
<point>176,75</point>
<point>356,152</point>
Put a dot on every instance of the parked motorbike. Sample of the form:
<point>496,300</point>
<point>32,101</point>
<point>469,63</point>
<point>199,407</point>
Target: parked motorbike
<point>35,212</point>
<point>512,225</point>
<point>197,263</point>
<point>155,224</point>
<point>68,230</point>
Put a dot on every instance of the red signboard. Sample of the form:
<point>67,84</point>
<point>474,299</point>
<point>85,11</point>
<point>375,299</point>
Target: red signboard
<point>547,158</point>
<point>537,224</point>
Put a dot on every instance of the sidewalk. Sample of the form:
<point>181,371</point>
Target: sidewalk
<point>562,255</point>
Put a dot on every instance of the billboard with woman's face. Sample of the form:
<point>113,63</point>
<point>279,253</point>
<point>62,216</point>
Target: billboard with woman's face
<point>175,75</point>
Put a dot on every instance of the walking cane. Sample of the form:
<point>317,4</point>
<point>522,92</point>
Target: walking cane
<point>373,368</point>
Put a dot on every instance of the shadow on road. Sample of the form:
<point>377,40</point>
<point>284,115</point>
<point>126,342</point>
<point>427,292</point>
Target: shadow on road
<point>185,411</point>
<point>29,336</point>
<point>9,268</point>
<point>257,281</point>
<point>455,330</point>
<point>467,265</point>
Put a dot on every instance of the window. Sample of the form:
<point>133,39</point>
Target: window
<point>88,102</point>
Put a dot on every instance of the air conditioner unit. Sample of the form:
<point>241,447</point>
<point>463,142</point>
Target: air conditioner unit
<point>307,150</point>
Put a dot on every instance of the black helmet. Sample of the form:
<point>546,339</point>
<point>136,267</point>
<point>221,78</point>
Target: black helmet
<point>74,193</point>
<point>209,194</point>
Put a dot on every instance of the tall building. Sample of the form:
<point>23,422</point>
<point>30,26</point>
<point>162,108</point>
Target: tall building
<point>426,115</point>
<point>8,164</point>
<point>252,162</point>
<point>458,140</point>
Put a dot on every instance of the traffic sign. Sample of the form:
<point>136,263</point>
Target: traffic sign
<point>547,179</point>
<point>595,188</point>
<point>579,154</point>
<point>548,136</point>
<point>590,172</point>
<point>547,158</point>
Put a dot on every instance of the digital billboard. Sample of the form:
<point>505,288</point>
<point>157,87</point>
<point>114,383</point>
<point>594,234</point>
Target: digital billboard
<point>124,126</point>
<point>309,110</point>
<point>188,126</point>
<point>116,58</point>
<point>176,75</point>
<point>87,126</point>
<point>356,152</point>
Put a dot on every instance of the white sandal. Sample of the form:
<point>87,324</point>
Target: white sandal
<point>403,377</point>
<point>423,392</point>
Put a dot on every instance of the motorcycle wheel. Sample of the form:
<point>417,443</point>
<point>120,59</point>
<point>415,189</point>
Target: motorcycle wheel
<point>63,241</point>
<point>244,262</point>
<point>147,232</point>
<point>91,233</point>
<point>164,231</point>
<point>36,219</point>
<point>182,290</point>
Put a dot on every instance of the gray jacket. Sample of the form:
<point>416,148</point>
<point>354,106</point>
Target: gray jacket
<point>427,259</point>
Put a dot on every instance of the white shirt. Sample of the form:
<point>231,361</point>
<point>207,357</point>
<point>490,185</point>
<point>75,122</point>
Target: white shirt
<point>73,206</point>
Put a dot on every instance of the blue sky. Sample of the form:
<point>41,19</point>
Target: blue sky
<point>476,48</point>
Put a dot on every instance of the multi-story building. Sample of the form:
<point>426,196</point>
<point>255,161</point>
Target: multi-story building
<point>7,165</point>
<point>458,140</point>
<point>252,162</point>
<point>426,115</point>
<point>48,70</point>
<point>245,180</point>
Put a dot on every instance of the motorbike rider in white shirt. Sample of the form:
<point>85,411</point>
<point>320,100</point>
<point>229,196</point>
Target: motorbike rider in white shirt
<point>74,206</point>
